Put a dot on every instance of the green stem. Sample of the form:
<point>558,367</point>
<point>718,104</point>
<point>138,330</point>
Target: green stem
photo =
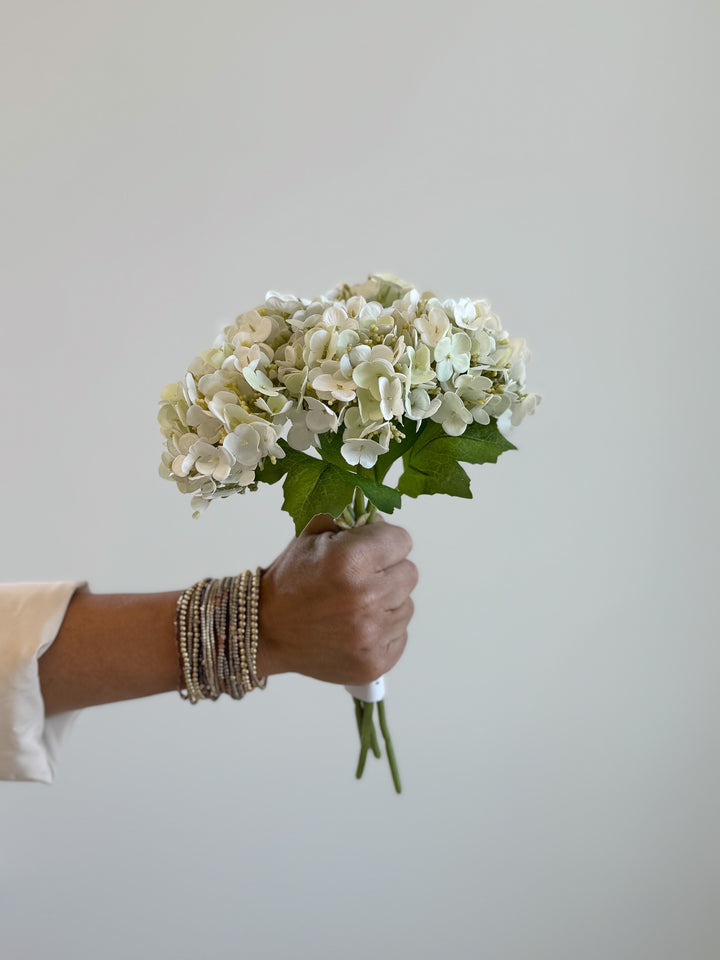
<point>358,716</point>
<point>367,726</point>
<point>374,745</point>
<point>389,747</point>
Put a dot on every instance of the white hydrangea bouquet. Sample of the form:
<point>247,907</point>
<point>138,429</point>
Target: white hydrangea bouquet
<point>363,377</point>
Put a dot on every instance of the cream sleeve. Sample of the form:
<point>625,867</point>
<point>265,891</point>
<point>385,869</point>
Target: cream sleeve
<point>30,618</point>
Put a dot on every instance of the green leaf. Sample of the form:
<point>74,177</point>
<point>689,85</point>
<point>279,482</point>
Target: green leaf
<point>272,472</point>
<point>385,498</point>
<point>431,472</point>
<point>313,486</point>
<point>330,448</point>
<point>432,465</point>
<point>481,443</point>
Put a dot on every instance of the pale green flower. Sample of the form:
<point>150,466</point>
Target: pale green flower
<point>525,405</point>
<point>464,314</point>
<point>419,405</point>
<point>244,445</point>
<point>407,305</point>
<point>390,288</point>
<point>358,446</point>
<point>472,386</point>
<point>391,397</point>
<point>501,357</point>
<point>190,390</point>
<point>237,413</point>
<point>258,379</point>
<point>252,328</point>
<point>363,451</point>
<point>483,344</point>
<point>206,426</point>
<point>320,344</point>
<point>244,355</point>
<point>296,382</point>
<point>354,305</point>
<point>368,290</point>
<point>169,420</point>
<point>368,373</point>
<point>228,377</point>
<point>299,436</point>
<point>320,418</point>
<point>170,392</point>
<point>219,401</point>
<point>277,407</point>
<point>208,460</point>
<point>433,326</point>
<point>490,320</point>
<point>331,380</point>
<point>247,450</point>
<point>452,355</point>
<point>285,304</point>
<point>418,361</point>
<point>497,404</point>
<point>452,415</point>
<point>292,370</point>
<point>306,424</point>
<point>368,407</point>
<point>165,469</point>
<point>209,360</point>
<point>363,353</point>
<point>472,389</point>
<point>337,316</point>
<point>346,340</point>
<point>520,356</point>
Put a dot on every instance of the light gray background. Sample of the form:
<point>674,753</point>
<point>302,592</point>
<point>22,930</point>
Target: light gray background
<point>555,715</point>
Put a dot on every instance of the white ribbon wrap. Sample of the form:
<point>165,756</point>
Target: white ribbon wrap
<point>369,692</point>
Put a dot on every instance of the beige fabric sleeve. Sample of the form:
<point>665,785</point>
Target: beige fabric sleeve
<point>30,618</point>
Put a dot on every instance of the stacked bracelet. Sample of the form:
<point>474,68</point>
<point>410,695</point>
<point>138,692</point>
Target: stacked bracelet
<point>217,634</point>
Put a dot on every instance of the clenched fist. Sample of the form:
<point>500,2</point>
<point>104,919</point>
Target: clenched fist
<point>335,605</point>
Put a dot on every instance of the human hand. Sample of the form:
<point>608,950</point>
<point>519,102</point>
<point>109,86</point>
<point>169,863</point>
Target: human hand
<point>335,605</point>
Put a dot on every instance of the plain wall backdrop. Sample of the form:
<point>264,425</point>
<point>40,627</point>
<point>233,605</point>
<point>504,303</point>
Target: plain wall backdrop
<point>555,715</point>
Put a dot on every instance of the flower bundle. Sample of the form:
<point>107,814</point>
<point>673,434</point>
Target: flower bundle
<point>362,376</point>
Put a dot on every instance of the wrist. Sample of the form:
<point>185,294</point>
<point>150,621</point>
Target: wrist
<point>269,659</point>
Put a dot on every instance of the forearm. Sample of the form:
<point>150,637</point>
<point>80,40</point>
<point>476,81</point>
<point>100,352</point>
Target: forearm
<point>111,647</point>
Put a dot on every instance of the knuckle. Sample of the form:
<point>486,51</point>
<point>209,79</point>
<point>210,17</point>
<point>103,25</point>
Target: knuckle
<point>376,667</point>
<point>411,574</point>
<point>366,666</point>
<point>361,632</point>
<point>343,566</point>
<point>404,539</point>
<point>361,604</point>
<point>410,610</point>
<point>370,603</point>
<point>397,651</point>
<point>370,635</point>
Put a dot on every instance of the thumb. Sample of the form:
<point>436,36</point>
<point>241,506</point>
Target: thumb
<point>322,523</point>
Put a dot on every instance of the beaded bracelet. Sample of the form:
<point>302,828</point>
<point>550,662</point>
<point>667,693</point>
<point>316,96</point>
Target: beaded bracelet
<point>217,635</point>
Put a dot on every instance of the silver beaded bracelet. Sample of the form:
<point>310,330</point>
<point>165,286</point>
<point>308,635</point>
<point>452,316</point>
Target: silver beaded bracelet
<point>217,634</point>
